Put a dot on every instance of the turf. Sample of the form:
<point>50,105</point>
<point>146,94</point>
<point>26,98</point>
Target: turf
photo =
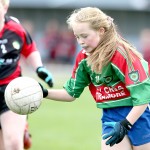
<point>66,125</point>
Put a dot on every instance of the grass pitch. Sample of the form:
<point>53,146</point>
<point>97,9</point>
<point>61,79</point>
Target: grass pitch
<point>66,125</point>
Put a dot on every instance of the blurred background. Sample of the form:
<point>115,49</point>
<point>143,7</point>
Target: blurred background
<point>76,125</point>
<point>46,22</point>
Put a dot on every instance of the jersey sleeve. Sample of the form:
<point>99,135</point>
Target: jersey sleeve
<point>29,45</point>
<point>134,75</point>
<point>79,79</point>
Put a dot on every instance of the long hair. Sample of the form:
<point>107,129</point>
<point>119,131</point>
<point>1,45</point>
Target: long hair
<point>102,54</point>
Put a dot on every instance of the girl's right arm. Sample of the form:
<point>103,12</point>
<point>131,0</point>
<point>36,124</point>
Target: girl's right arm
<point>59,95</point>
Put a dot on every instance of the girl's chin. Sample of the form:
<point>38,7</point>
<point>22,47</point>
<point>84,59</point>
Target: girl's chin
<point>88,50</point>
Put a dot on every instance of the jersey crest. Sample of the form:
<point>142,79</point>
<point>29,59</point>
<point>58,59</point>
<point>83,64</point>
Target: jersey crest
<point>134,76</point>
<point>108,79</point>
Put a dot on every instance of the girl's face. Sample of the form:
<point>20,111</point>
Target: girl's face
<point>87,37</point>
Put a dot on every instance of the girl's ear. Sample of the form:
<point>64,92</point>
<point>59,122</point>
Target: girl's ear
<point>102,31</point>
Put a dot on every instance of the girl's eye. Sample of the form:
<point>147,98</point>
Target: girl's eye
<point>84,36</point>
<point>79,37</point>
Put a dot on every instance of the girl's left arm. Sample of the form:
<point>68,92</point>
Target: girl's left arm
<point>136,112</point>
<point>34,59</point>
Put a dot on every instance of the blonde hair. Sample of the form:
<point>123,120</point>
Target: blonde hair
<point>5,2</point>
<point>105,50</point>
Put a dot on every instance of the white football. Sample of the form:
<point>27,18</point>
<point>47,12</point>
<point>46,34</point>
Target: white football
<point>23,95</point>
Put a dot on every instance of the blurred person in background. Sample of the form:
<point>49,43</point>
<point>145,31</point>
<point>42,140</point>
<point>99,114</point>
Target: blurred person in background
<point>118,79</point>
<point>66,47</point>
<point>15,42</point>
<point>51,38</point>
<point>29,26</point>
<point>145,43</point>
<point>59,43</point>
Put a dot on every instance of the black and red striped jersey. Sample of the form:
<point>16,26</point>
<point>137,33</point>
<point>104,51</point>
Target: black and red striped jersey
<point>14,41</point>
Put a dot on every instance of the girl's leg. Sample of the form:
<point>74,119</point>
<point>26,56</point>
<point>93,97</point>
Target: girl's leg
<point>1,140</point>
<point>123,145</point>
<point>142,147</point>
<point>13,126</point>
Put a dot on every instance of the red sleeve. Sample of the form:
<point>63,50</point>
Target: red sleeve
<point>81,55</point>
<point>29,45</point>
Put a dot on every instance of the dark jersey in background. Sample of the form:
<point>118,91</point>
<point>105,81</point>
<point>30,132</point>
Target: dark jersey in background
<point>14,41</point>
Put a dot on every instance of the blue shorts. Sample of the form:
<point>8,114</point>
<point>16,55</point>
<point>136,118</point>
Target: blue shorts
<point>140,132</point>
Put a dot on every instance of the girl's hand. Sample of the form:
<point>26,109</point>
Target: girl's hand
<point>116,135</point>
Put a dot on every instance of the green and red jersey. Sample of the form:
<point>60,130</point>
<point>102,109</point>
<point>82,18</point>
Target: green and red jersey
<point>121,83</point>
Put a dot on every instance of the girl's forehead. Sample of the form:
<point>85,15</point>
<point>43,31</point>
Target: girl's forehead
<point>80,24</point>
<point>81,27</point>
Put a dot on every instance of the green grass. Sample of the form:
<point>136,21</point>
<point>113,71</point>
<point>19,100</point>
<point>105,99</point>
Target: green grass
<point>66,125</point>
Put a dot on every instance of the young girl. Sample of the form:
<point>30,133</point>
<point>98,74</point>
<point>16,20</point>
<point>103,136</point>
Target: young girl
<point>118,79</point>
